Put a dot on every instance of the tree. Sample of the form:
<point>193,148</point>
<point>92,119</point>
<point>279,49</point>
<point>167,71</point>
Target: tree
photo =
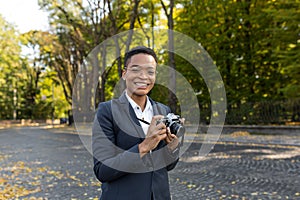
<point>171,54</point>
<point>10,67</point>
<point>79,29</point>
<point>286,17</point>
<point>42,80</point>
<point>251,42</point>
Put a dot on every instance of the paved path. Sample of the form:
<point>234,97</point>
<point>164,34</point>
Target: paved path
<point>40,163</point>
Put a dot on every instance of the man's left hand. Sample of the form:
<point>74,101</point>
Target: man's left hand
<point>171,140</point>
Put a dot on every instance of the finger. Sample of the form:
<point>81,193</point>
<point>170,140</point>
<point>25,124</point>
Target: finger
<point>162,131</point>
<point>161,126</point>
<point>169,138</point>
<point>162,136</point>
<point>153,122</point>
<point>157,117</point>
<point>173,136</point>
<point>168,130</point>
<point>170,135</point>
<point>182,120</point>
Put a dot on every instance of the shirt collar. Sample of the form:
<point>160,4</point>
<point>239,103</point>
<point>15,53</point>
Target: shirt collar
<point>135,106</point>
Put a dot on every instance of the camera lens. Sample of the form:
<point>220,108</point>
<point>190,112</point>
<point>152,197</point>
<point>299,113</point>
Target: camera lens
<point>177,129</point>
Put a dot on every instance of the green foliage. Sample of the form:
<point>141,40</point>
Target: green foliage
<point>255,45</point>
<point>10,66</point>
<point>287,16</point>
<point>24,79</point>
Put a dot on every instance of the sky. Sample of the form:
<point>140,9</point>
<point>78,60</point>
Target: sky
<point>25,14</point>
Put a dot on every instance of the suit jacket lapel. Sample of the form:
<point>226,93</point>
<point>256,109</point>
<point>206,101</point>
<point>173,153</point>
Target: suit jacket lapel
<point>157,109</point>
<point>126,109</point>
<point>123,108</point>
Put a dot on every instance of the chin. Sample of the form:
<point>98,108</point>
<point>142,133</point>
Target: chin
<point>141,92</point>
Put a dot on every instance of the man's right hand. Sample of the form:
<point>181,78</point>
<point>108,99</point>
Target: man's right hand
<point>155,134</point>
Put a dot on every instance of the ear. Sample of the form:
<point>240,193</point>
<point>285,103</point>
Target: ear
<point>124,74</point>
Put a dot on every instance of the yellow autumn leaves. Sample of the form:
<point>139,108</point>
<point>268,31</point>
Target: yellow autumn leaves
<point>20,180</point>
<point>11,183</point>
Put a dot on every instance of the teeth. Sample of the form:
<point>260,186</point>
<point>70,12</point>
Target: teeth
<point>141,84</point>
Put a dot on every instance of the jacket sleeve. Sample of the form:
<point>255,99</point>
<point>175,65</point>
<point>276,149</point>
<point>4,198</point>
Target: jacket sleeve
<point>175,158</point>
<point>111,162</point>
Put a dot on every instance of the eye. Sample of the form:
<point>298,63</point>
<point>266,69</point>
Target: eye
<point>151,72</point>
<point>135,69</point>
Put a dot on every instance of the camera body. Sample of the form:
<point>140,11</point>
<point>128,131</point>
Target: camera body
<point>172,121</point>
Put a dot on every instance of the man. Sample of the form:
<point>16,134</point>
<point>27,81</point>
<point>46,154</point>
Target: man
<point>132,151</point>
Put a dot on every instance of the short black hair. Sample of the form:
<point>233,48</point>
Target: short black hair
<point>137,50</point>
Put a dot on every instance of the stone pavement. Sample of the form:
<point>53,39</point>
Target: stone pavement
<point>40,163</point>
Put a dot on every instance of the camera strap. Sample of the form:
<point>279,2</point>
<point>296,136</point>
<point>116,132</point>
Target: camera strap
<point>145,122</point>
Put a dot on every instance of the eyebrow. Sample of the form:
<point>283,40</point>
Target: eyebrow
<point>140,66</point>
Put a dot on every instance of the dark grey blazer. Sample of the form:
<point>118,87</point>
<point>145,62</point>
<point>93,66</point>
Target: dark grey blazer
<point>117,163</point>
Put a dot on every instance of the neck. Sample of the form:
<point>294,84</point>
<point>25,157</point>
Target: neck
<point>139,100</point>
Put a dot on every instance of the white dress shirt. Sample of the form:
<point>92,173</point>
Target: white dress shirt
<point>146,115</point>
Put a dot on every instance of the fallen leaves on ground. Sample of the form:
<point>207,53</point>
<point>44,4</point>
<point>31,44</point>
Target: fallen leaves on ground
<point>20,180</point>
<point>11,183</point>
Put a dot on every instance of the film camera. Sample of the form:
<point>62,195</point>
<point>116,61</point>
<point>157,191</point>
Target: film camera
<point>172,121</point>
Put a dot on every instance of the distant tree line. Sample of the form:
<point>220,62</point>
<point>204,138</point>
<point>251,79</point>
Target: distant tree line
<point>255,45</point>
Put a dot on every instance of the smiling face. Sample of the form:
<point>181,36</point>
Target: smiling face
<point>139,75</point>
